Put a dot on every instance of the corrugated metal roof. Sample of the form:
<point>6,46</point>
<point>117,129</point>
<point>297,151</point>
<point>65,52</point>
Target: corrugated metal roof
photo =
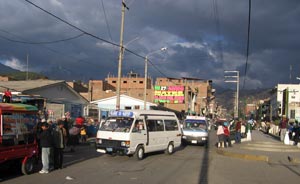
<point>20,86</point>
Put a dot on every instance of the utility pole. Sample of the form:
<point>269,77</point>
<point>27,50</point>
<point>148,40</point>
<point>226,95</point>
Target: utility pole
<point>146,74</point>
<point>291,68</point>
<point>145,82</point>
<point>234,79</point>
<point>27,68</point>
<point>120,56</point>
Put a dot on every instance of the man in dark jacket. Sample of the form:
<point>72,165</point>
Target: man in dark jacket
<point>59,135</point>
<point>297,133</point>
<point>46,145</point>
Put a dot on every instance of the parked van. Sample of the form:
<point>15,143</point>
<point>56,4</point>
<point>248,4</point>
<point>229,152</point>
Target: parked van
<point>195,130</point>
<point>17,136</point>
<point>136,132</point>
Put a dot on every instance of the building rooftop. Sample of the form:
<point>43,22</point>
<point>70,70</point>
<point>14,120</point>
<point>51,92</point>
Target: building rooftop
<point>21,86</point>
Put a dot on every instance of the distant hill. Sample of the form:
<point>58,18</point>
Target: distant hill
<point>19,75</point>
<point>23,76</point>
<point>226,98</point>
<point>5,69</point>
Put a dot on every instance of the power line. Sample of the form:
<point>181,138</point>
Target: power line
<point>216,18</point>
<point>75,27</point>
<point>89,34</point>
<point>43,46</point>
<point>38,43</point>
<point>108,27</point>
<point>106,21</point>
<point>81,30</point>
<point>248,40</point>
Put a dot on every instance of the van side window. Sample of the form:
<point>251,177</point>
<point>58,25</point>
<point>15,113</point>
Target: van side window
<point>138,126</point>
<point>155,125</point>
<point>171,125</point>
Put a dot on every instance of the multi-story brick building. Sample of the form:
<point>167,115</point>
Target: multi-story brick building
<point>191,95</point>
<point>197,94</point>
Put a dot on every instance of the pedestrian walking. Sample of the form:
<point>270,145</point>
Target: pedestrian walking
<point>66,126</point>
<point>83,134</point>
<point>59,136</point>
<point>220,134</point>
<point>46,145</point>
<point>238,132</point>
<point>283,125</point>
<point>291,130</point>
<point>227,141</point>
<point>74,137</point>
<point>39,130</point>
<point>297,133</point>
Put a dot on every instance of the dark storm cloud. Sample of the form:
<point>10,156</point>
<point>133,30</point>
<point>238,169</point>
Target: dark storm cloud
<point>204,38</point>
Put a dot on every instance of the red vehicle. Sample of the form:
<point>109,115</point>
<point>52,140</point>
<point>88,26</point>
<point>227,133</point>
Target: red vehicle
<point>17,135</point>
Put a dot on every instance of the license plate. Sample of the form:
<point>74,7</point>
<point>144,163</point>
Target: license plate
<point>109,149</point>
<point>194,141</point>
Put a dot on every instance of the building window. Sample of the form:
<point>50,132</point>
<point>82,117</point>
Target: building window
<point>114,81</point>
<point>125,82</point>
<point>292,114</point>
<point>136,107</point>
<point>141,82</point>
<point>127,108</point>
<point>134,81</point>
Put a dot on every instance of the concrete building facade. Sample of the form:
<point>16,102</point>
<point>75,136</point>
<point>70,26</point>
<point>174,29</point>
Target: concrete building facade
<point>186,95</point>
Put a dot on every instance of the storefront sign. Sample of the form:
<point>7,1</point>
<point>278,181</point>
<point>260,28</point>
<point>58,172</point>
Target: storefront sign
<point>169,94</point>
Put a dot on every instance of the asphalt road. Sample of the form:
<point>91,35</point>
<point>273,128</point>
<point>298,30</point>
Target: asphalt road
<point>187,165</point>
<point>190,165</point>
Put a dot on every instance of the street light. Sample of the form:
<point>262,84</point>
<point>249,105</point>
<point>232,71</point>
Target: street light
<point>235,79</point>
<point>146,73</point>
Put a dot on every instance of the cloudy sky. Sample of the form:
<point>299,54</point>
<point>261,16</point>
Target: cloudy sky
<point>203,37</point>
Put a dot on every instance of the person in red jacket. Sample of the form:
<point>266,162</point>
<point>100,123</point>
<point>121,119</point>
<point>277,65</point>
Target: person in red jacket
<point>7,96</point>
<point>238,135</point>
<point>79,121</point>
<point>227,142</point>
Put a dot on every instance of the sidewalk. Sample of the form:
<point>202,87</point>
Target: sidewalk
<point>263,147</point>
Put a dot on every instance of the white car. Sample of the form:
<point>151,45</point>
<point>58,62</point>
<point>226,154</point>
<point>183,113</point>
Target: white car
<point>195,130</point>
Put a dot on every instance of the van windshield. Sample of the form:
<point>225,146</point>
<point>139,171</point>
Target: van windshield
<point>195,125</point>
<point>117,124</point>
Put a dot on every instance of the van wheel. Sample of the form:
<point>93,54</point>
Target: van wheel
<point>170,149</point>
<point>139,153</point>
<point>27,166</point>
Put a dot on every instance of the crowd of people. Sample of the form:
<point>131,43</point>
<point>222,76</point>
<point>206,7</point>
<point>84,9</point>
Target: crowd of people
<point>55,138</point>
<point>240,129</point>
<point>286,127</point>
<point>228,131</point>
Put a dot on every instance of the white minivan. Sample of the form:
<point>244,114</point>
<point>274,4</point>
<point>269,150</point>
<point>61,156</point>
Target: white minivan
<point>136,132</point>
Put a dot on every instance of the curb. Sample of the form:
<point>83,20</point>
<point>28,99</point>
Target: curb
<point>243,156</point>
<point>295,161</point>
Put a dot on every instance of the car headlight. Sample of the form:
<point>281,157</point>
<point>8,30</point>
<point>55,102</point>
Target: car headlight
<point>125,143</point>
